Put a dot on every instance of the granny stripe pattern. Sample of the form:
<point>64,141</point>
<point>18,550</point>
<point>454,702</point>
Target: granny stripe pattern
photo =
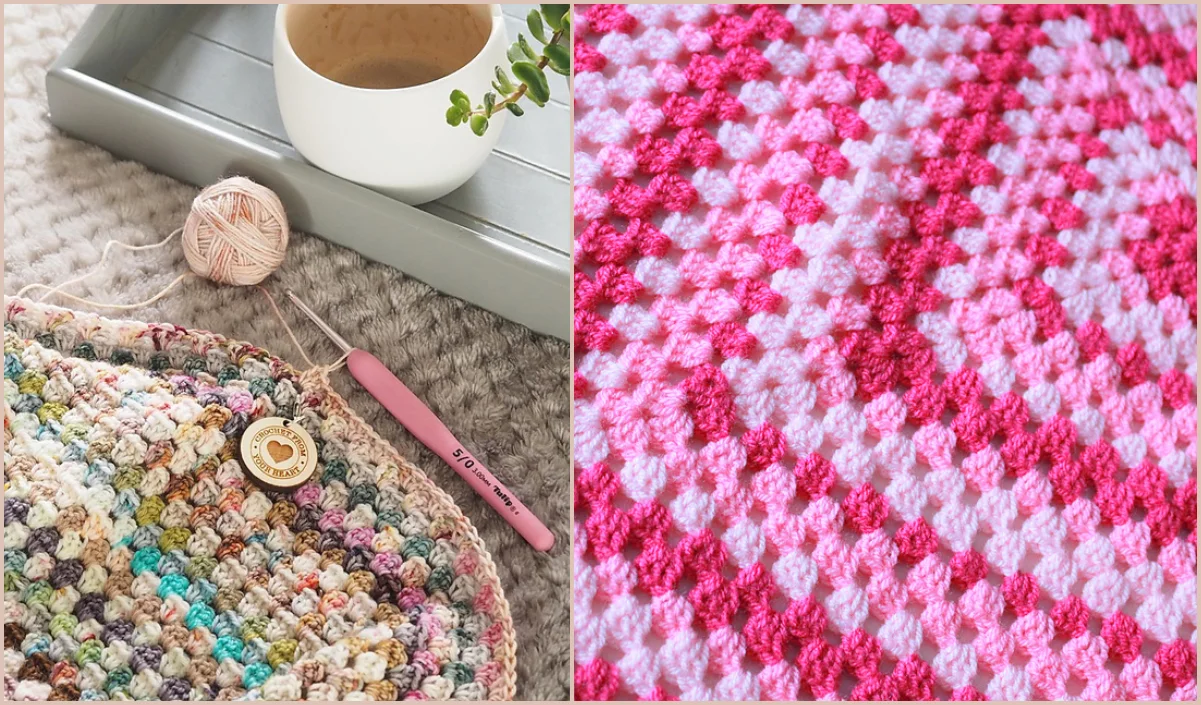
<point>885,326</point>
<point>141,562</point>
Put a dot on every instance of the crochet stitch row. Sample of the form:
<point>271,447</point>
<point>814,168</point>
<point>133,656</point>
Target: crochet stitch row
<point>140,561</point>
<point>885,328</point>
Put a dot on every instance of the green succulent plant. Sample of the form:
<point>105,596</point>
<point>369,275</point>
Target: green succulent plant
<point>550,26</point>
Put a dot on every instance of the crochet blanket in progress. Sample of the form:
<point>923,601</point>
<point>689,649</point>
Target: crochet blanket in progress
<point>141,561</point>
<point>885,352</point>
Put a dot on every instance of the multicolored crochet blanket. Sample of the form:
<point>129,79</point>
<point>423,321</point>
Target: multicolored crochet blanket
<point>885,352</point>
<point>141,561</point>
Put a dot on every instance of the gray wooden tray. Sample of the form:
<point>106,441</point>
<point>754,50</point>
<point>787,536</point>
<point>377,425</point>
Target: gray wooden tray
<point>188,91</point>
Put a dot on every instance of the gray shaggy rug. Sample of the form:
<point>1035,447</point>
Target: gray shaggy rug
<point>499,387</point>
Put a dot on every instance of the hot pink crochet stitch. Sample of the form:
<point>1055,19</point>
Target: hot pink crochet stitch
<point>885,326</point>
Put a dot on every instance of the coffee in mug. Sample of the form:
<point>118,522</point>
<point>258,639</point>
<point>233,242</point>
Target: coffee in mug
<point>387,46</point>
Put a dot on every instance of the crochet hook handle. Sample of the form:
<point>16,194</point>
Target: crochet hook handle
<point>422,423</point>
<point>415,416</point>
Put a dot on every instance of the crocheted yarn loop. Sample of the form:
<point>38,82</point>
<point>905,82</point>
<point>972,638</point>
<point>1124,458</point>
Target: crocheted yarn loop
<point>885,336</point>
<point>142,563</point>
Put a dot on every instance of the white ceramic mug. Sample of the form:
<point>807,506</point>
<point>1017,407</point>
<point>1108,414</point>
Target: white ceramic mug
<point>330,61</point>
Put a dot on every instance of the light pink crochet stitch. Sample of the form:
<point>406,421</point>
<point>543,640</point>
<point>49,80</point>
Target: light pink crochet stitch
<point>885,327</point>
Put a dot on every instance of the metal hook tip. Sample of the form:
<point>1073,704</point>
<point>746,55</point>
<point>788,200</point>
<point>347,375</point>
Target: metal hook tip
<point>325,327</point>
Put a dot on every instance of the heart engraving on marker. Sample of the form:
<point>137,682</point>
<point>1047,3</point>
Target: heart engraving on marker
<point>279,452</point>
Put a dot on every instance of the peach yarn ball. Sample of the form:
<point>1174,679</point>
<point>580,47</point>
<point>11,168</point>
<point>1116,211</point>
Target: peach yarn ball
<point>237,232</point>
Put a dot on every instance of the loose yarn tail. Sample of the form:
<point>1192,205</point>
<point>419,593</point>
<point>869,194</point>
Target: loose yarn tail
<point>236,233</point>
<point>108,247</point>
<point>58,290</point>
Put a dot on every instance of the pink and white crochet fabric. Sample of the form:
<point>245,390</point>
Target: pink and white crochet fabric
<point>885,327</point>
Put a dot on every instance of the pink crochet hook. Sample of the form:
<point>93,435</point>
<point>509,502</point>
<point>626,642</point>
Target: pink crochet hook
<point>422,423</point>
